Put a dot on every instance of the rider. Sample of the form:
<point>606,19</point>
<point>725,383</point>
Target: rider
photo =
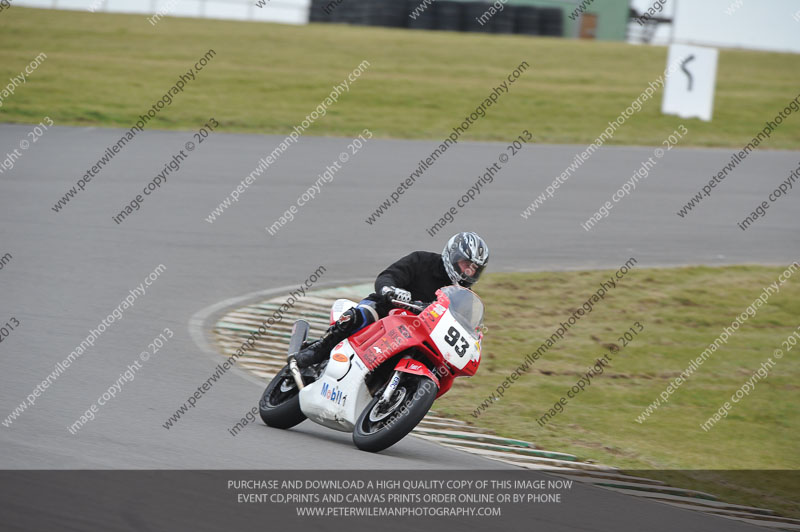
<point>416,276</point>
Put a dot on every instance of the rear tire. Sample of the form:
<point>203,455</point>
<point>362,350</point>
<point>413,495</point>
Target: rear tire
<point>380,427</point>
<point>280,403</point>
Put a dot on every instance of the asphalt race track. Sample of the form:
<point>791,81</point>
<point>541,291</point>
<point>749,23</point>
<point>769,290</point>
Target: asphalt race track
<point>72,268</point>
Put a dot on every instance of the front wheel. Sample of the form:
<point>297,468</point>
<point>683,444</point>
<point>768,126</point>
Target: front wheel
<point>280,403</point>
<point>381,425</point>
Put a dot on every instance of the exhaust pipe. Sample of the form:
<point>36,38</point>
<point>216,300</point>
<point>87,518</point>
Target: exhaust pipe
<point>299,335</point>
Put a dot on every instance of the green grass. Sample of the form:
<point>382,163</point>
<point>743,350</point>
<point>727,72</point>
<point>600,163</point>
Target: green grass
<point>106,70</point>
<point>682,311</point>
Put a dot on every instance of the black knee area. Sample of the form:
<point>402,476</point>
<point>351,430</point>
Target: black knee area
<point>350,320</point>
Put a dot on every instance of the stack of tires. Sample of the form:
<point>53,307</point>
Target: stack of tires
<point>389,13</point>
<point>503,21</point>
<point>359,12</point>
<point>449,15</point>
<point>446,15</point>
<point>317,11</point>
<point>425,20</point>
<point>334,10</point>
<point>474,20</point>
<point>551,21</point>
<point>526,21</point>
<point>354,12</point>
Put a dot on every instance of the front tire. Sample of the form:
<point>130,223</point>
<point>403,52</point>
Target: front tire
<point>280,403</point>
<point>381,426</point>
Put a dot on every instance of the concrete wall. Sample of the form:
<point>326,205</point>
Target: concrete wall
<point>284,11</point>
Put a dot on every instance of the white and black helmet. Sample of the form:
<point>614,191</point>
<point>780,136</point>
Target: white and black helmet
<point>465,256</point>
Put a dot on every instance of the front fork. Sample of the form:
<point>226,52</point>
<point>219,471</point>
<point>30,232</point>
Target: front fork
<point>390,388</point>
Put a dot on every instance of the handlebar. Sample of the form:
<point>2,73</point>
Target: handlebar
<point>416,306</point>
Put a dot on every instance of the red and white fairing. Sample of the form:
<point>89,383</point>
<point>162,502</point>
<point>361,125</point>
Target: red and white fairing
<point>447,333</point>
<point>339,396</point>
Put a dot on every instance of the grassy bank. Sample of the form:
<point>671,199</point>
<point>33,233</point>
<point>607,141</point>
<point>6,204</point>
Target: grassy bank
<point>681,312</point>
<point>106,70</point>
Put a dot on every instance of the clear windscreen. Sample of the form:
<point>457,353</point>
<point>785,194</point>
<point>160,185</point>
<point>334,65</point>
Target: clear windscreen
<point>466,307</point>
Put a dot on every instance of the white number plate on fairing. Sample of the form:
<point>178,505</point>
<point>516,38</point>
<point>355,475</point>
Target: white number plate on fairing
<point>454,342</point>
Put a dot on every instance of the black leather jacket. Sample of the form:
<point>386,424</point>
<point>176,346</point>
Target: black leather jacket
<point>420,272</point>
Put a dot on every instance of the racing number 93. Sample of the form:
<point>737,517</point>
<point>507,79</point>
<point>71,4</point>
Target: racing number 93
<point>452,337</point>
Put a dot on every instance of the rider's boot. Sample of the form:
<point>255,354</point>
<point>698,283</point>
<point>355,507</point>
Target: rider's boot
<point>349,322</point>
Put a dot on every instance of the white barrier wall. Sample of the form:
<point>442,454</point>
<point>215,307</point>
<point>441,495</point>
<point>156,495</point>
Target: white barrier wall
<point>284,11</point>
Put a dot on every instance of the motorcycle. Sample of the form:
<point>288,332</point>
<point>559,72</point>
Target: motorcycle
<point>381,381</point>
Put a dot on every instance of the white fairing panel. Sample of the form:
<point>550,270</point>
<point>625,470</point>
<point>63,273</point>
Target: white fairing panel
<point>340,395</point>
<point>339,307</point>
<point>455,343</point>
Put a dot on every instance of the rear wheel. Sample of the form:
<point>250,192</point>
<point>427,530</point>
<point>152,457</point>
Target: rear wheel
<point>382,424</point>
<point>280,403</point>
